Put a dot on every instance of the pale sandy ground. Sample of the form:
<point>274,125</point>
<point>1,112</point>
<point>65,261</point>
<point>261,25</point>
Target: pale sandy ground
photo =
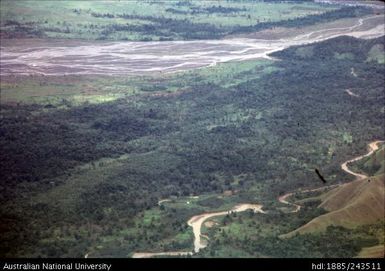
<point>131,58</point>
<point>351,93</point>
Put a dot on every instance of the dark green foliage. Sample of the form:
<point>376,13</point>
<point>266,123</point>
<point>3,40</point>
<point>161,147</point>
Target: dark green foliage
<point>258,235</point>
<point>208,10</point>
<point>43,146</point>
<point>184,28</point>
<point>327,50</point>
<point>344,12</point>
<point>336,242</point>
<point>212,202</point>
<point>166,28</point>
<point>273,131</point>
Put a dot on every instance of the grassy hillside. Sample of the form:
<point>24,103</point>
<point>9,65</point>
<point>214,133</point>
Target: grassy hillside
<point>353,204</point>
<point>372,252</point>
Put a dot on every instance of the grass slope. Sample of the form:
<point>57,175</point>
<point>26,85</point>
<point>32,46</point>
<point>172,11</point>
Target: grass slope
<point>357,203</point>
<point>372,252</point>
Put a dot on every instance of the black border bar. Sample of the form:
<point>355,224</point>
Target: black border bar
<point>119,264</point>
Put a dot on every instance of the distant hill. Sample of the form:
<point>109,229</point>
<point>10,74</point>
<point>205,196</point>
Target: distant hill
<point>350,205</point>
<point>359,50</point>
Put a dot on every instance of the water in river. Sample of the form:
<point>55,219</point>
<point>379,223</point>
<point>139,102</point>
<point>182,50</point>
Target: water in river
<point>56,57</point>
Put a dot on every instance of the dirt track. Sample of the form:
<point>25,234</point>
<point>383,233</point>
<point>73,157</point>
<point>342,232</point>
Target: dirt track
<point>196,221</point>
<point>351,93</point>
<point>373,146</point>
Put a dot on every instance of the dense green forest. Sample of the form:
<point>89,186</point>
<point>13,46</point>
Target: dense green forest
<point>88,177</point>
<point>246,235</point>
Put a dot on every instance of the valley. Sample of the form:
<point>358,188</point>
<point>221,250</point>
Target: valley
<point>146,129</point>
<point>196,221</point>
<point>141,58</point>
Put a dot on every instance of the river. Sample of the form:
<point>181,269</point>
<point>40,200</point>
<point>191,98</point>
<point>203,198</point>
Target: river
<point>58,57</point>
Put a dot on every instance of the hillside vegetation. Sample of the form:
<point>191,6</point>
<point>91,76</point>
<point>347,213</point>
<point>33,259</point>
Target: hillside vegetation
<point>87,176</point>
<point>372,165</point>
<point>357,203</point>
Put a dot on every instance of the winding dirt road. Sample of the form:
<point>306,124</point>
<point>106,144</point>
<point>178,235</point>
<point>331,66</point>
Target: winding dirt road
<point>283,198</point>
<point>163,201</point>
<point>196,223</point>
<point>351,93</point>
<point>372,147</point>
